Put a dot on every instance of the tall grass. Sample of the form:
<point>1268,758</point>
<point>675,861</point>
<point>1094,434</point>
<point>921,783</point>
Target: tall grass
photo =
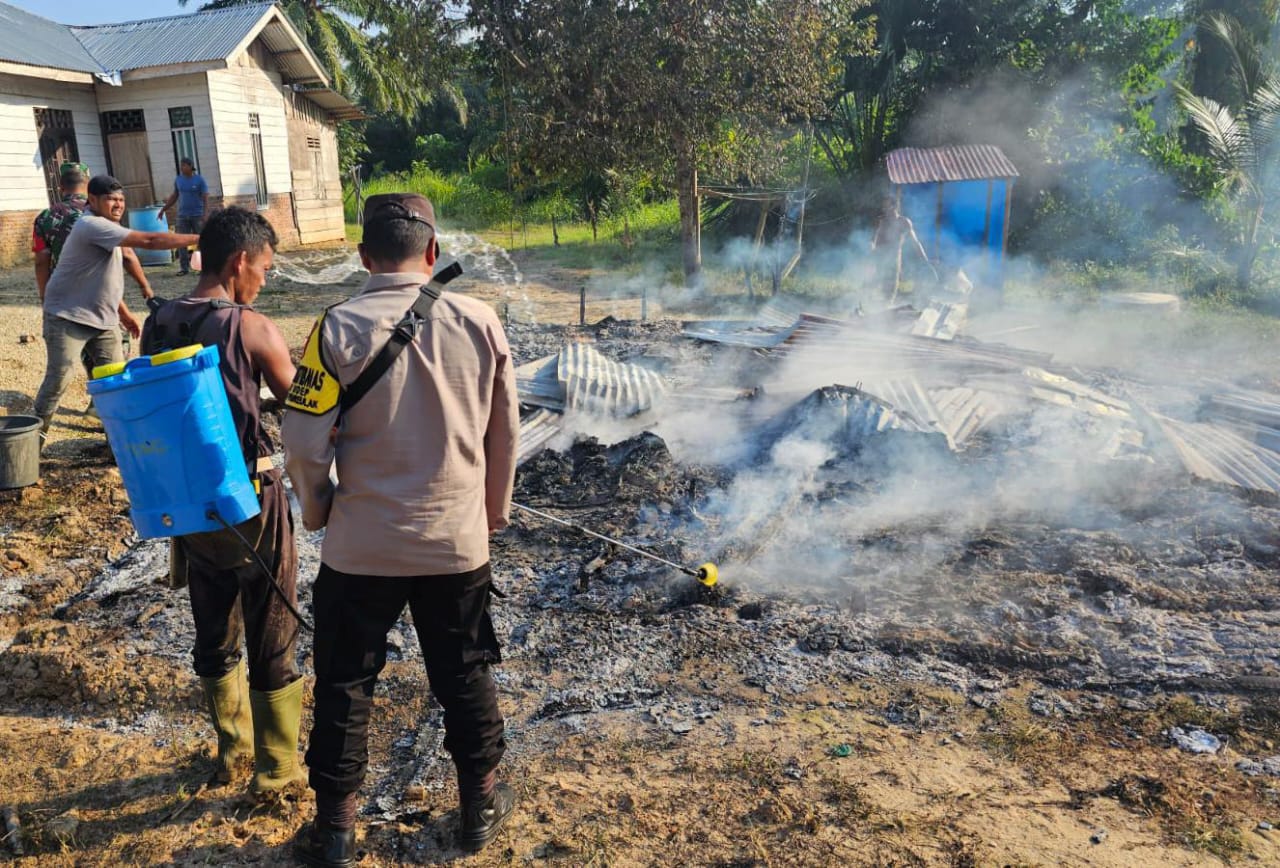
<point>471,203</point>
<point>458,199</point>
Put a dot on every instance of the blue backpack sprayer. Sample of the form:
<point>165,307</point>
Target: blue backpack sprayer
<point>170,428</point>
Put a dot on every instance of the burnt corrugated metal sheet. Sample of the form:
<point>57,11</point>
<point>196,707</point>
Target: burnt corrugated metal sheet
<point>35,41</point>
<point>535,430</point>
<point>1041,385</point>
<point>175,39</point>
<point>579,377</point>
<point>1259,408</point>
<point>910,400</point>
<point>859,415</point>
<point>1218,454</point>
<point>596,383</point>
<point>941,320</point>
<point>769,327</point>
<point>538,385</point>
<point>954,163</point>
<point>964,412</point>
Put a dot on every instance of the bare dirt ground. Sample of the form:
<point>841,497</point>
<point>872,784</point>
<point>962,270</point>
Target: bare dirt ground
<point>705,759</point>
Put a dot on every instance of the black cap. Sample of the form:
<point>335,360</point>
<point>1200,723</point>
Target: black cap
<point>101,185</point>
<point>399,206</point>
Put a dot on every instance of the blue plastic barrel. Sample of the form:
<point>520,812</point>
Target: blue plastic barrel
<point>150,219</point>
<point>170,427</point>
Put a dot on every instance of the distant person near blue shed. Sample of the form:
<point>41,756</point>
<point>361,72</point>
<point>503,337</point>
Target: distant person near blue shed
<point>192,195</point>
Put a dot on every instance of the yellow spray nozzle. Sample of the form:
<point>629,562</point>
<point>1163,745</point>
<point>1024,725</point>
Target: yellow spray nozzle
<point>708,574</point>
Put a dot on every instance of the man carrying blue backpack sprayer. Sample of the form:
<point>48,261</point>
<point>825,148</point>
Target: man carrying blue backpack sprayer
<point>232,599</point>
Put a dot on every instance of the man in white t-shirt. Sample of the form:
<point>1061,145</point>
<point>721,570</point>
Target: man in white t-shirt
<point>84,298</point>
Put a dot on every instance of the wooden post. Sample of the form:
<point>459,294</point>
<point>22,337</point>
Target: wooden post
<point>751,268</point>
<point>1008,209</point>
<point>582,305</point>
<point>937,226</point>
<point>986,226</point>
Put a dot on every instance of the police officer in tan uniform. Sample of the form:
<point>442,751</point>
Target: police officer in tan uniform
<point>425,453</point>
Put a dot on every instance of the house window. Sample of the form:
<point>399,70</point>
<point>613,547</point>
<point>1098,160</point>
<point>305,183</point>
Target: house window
<point>182,128</point>
<point>125,121</point>
<point>259,164</point>
<point>57,134</point>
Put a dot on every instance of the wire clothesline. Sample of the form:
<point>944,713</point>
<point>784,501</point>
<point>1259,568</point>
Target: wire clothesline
<point>755,194</point>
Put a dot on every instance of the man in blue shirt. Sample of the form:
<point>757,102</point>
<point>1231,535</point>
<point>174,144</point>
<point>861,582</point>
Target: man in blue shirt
<point>192,195</point>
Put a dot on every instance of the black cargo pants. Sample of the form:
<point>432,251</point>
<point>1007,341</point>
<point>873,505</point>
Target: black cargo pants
<point>353,614</point>
<point>232,601</point>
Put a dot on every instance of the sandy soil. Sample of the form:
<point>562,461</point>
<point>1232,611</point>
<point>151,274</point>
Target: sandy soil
<point>106,749</point>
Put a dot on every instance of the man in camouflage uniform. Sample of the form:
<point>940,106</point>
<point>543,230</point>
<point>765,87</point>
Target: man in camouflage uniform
<point>53,225</point>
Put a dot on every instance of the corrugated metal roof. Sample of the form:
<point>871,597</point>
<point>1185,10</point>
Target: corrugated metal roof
<point>175,39</point>
<point>954,163</point>
<point>36,41</point>
<point>337,105</point>
<point>202,37</point>
<point>290,51</point>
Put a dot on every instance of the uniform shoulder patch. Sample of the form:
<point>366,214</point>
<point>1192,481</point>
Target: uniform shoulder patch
<point>315,389</point>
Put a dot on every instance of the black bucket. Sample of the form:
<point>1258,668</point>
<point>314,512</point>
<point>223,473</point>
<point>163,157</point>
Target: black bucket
<point>19,451</point>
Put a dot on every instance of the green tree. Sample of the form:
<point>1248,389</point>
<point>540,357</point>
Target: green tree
<point>1243,142</point>
<point>1212,61</point>
<point>657,85</point>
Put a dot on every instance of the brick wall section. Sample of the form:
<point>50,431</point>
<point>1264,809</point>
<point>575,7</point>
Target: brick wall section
<point>15,238</point>
<point>279,212</point>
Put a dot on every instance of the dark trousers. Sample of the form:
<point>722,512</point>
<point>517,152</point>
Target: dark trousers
<point>232,601</point>
<point>451,616</point>
<point>190,226</point>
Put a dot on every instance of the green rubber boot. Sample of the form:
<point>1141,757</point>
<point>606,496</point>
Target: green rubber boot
<point>277,714</point>
<point>227,698</point>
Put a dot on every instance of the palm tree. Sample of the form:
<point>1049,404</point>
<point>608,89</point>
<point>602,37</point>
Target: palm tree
<point>1243,138</point>
<point>332,29</point>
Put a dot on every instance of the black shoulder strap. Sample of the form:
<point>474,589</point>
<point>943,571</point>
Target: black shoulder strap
<point>158,337</point>
<point>404,332</point>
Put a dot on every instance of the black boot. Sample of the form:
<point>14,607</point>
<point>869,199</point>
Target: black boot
<point>483,819</point>
<point>327,847</point>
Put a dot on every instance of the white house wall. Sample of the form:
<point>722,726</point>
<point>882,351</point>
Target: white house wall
<point>22,183</point>
<point>248,87</point>
<point>155,97</point>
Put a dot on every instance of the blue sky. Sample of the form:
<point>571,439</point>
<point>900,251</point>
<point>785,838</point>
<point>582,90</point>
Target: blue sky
<point>99,12</point>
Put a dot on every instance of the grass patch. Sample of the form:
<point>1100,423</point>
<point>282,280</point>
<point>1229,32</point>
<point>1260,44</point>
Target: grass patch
<point>757,768</point>
<point>1011,734</point>
<point>1193,819</point>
